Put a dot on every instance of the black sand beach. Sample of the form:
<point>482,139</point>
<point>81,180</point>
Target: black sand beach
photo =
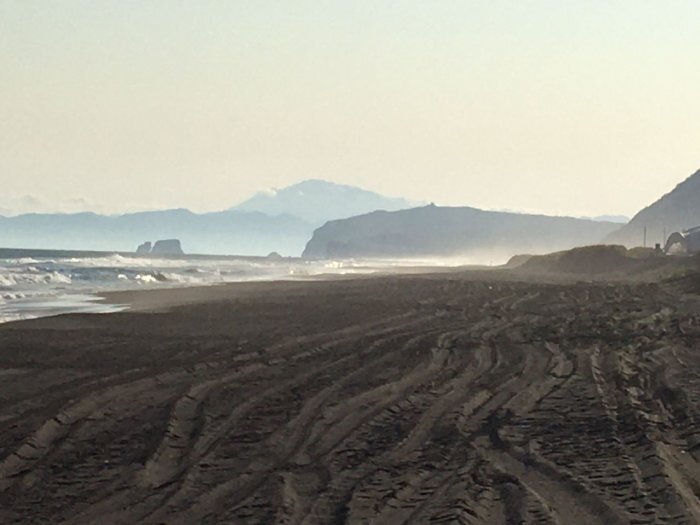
<point>454,398</point>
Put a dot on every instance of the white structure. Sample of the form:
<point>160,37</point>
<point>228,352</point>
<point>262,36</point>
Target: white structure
<point>689,240</point>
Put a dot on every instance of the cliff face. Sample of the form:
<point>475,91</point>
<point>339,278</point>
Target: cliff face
<point>433,231</point>
<point>162,247</point>
<point>676,211</point>
<point>167,247</point>
<point>146,247</point>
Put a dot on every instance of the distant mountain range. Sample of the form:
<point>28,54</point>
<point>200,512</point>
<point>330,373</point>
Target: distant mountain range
<point>281,221</point>
<point>324,219</point>
<point>433,231</point>
<point>228,232</point>
<point>676,211</point>
<point>318,201</point>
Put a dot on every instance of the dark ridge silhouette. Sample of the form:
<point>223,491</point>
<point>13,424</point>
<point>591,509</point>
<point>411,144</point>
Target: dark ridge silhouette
<point>433,231</point>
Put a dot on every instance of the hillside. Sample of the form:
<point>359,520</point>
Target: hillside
<point>675,211</point>
<point>318,201</point>
<point>433,231</point>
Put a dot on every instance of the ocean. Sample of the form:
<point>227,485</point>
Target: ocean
<point>39,283</point>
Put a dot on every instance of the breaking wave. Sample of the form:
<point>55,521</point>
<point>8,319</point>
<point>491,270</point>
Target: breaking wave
<point>35,286</point>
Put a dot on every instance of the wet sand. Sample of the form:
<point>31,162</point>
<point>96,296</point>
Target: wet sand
<point>478,398</point>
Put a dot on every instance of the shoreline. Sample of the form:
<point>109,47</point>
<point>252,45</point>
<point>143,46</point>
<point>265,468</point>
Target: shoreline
<point>157,299</point>
<point>40,283</point>
<point>161,299</point>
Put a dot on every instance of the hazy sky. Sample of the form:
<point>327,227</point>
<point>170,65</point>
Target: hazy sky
<point>555,106</point>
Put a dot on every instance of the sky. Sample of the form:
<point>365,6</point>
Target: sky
<point>557,107</point>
